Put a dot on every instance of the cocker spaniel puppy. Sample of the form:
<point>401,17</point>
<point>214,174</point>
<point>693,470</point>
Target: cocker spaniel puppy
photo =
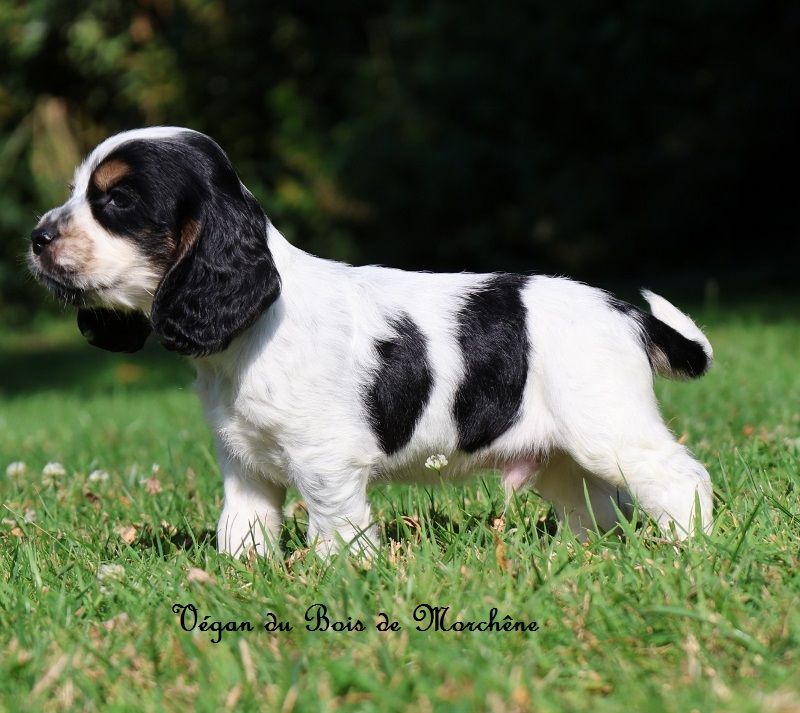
<point>327,377</point>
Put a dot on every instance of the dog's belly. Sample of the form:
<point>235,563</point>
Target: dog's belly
<point>516,472</point>
<point>260,451</point>
<point>274,437</point>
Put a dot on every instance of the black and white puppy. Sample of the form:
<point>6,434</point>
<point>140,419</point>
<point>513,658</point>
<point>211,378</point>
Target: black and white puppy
<point>327,377</point>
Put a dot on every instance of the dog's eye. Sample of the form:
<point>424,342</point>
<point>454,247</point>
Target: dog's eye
<point>119,198</point>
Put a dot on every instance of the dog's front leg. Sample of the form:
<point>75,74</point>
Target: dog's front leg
<point>252,514</point>
<point>338,512</point>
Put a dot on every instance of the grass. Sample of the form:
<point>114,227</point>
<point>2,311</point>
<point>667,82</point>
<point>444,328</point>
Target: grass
<point>639,623</point>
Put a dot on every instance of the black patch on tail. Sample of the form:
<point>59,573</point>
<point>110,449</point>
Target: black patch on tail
<point>493,335</point>
<point>685,356</point>
<point>400,387</point>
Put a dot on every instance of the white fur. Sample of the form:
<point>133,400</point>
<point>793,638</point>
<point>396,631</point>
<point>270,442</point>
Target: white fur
<point>117,273</point>
<point>285,399</point>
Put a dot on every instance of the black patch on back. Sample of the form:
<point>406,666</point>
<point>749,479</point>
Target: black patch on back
<point>493,335</point>
<point>685,356</point>
<point>400,387</point>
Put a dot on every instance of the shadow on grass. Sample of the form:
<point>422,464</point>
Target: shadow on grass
<point>294,532</point>
<point>411,528</point>
<point>407,528</point>
<point>183,540</point>
<point>74,366</point>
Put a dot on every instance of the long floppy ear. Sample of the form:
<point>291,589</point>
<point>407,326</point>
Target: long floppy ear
<point>224,276</point>
<point>114,331</point>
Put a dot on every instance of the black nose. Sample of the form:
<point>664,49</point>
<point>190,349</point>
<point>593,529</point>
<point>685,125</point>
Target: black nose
<point>42,237</point>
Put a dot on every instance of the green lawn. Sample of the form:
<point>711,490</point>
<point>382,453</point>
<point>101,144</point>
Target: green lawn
<point>637,624</point>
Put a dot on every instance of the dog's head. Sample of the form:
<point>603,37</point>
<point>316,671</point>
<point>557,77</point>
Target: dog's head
<point>159,233</point>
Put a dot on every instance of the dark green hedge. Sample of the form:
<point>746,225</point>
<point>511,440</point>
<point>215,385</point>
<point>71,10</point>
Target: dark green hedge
<point>585,137</point>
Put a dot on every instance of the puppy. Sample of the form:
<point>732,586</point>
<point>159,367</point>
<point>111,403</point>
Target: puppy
<point>327,377</point>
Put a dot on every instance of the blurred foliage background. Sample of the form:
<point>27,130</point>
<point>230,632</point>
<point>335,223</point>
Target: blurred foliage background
<point>641,140</point>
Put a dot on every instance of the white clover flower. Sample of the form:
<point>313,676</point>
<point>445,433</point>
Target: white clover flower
<point>152,485</point>
<point>54,469</point>
<point>98,476</point>
<point>108,574</point>
<point>30,515</point>
<point>15,469</point>
<point>436,462</point>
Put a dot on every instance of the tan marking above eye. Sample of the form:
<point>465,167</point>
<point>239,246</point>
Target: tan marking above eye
<point>109,173</point>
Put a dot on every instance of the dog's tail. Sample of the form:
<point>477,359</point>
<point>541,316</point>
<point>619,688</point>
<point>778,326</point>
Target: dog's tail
<point>674,344</point>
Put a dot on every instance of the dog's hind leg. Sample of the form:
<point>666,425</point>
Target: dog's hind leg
<point>662,476</point>
<point>606,418</point>
<point>580,499</point>
<point>669,484</point>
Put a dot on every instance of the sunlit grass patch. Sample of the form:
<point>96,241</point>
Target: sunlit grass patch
<point>110,499</point>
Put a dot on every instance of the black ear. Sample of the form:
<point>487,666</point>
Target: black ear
<point>224,276</point>
<point>114,331</point>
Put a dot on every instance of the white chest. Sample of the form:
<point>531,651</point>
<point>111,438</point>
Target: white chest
<point>246,424</point>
